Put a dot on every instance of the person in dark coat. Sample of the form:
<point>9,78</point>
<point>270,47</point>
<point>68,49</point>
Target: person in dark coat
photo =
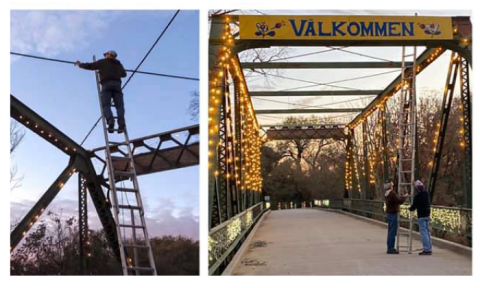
<point>110,71</point>
<point>421,203</point>
<point>393,202</point>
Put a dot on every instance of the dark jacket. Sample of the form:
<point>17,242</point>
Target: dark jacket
<point>421,203</point>
<point>393,202</point>
<point>108,69</point>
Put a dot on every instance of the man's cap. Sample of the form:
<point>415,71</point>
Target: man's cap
<point>113,53</point>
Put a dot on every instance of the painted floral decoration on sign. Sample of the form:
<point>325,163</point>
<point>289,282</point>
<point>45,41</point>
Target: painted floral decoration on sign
<point>263,29</point>
<point>430,28</point>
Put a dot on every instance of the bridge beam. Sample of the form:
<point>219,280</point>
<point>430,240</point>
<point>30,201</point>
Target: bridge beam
<point>307,111</point>
<point>289,133</point>
<point>321,65</point>
<point>314,93</point>
<point>37,210</point>
<point>158,159</point>
<point>442,129</point>
<point>38,125</point>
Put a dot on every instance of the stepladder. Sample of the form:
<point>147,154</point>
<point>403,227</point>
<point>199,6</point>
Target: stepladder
<point>407,146</point>
<point>136,255</point>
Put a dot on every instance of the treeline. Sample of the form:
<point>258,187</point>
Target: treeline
<point>52,248</point>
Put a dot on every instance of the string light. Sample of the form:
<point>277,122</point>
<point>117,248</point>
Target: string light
<point>249,177</point>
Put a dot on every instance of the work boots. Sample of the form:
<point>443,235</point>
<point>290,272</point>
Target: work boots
<point>111,126</point>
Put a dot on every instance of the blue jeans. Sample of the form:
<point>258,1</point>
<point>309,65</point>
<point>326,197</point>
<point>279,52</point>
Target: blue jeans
<point>423,224</point>
<point>392,220</point>
<point>113,90</point>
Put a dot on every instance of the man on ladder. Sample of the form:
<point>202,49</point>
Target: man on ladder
<point>111,71</point>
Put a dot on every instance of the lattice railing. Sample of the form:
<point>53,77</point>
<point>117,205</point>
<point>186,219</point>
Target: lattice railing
<point>224,238</point>
<point>454,220</point>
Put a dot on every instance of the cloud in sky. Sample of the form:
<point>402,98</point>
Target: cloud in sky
<point>167,218</point>
<point>50,33</point>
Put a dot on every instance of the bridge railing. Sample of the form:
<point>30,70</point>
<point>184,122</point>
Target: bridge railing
<point>450,223</point>
<point>223,239</point>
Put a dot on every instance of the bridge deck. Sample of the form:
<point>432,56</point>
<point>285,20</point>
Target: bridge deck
<point>315,242</point>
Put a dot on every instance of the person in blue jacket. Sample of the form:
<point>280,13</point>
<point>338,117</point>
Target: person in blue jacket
<point>421,203</point>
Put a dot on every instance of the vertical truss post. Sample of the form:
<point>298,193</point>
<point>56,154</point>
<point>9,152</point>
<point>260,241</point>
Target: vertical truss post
<point>366,170</point>
<point>355,165</point>
<point>385,159</point>
<point>231,176</point>
<point>239,150</point>
<point>442,129</point>
<point>216,89</point>
<point>467,129</point>
<point>348,166</point>
<point>83,224</point>
<point>224,196</point>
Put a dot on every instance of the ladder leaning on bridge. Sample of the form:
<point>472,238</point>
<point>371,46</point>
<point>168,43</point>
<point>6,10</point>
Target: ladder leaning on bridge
<point>138,247</point>
<point>407,139</point>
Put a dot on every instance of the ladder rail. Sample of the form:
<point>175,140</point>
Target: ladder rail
<point>407,139</point>
<point>140,202</point>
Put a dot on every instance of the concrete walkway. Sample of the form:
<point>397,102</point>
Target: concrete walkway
<point>315,242</point>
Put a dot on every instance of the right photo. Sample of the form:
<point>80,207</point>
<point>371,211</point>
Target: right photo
<point>340,142</point>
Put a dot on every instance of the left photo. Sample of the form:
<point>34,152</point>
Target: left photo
<point>104,142</point>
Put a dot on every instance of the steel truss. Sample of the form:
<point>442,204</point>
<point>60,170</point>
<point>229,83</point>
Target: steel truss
<point>467,128</point>
<point>169,153</point>
<point>157,159</point>
<point>234,147</point>
<point>336,132</point>
<point>79,162</point>
<point>83,224</point>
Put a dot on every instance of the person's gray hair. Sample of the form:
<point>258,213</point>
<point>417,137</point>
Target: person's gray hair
<point>419,183</point>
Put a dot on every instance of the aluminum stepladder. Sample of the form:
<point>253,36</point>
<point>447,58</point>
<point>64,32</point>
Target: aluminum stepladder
<point>407,140</point>
<point>124,185</point>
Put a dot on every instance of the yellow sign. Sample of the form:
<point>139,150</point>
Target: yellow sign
<point>345,27</point>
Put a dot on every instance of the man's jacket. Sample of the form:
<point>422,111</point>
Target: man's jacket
<point>421,203</point>
<point>393,201</point>
<point>108,69</point>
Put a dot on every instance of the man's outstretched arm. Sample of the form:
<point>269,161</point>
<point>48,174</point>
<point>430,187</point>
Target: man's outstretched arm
<point>88,66</point>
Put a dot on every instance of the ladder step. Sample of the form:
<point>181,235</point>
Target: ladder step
<point>118,158</point>
<point>123,189</point>
<point>130,207</point>
<point>131,226</point>
<point>124,173</point>
<point>140,268</point>
<point>117,143</point>
<point>136,246</point>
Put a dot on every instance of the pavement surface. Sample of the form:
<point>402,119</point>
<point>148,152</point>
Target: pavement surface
<point>316,242</point>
